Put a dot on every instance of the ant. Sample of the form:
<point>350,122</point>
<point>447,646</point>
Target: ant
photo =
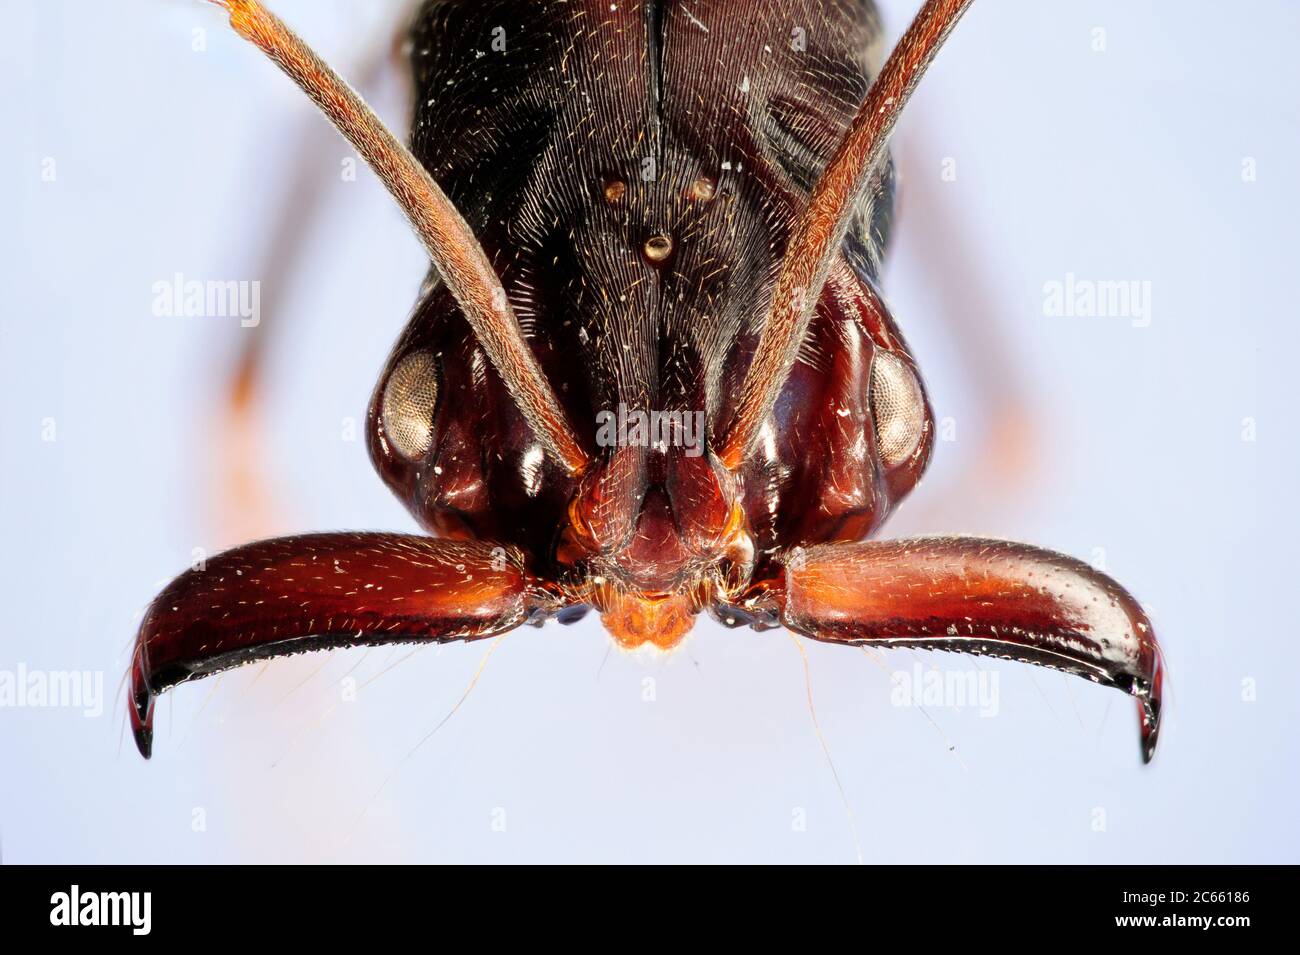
<point>666,212</point>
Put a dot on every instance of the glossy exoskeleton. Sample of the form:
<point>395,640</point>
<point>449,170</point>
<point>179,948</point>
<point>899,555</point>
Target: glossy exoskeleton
<point>650,373</point>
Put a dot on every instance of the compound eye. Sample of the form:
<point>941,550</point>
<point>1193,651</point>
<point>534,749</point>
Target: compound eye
<point>897,408</point>
<point>410,397</point>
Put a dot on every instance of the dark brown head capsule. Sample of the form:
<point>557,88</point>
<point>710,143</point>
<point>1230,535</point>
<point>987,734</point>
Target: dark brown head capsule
<point>721,430</point>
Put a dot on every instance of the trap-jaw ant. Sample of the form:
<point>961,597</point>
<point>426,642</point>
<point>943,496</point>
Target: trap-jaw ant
<point>666,206</point>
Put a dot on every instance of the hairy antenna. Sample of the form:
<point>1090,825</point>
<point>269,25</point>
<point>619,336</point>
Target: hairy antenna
<point>456,254</point>
<point>817,235</point>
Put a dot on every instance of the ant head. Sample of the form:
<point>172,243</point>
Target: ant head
<point>654,527</point>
